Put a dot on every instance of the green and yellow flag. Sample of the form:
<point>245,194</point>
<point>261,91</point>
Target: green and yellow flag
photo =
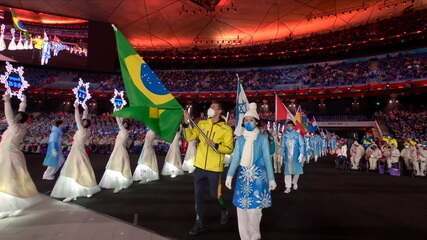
<point>149,100</point>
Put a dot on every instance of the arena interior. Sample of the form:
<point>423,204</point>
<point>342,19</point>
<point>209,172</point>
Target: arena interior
<point>213,119</point>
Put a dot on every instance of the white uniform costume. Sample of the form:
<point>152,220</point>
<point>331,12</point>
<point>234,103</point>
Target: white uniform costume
<point>421,163</point>
<point>356,153</point>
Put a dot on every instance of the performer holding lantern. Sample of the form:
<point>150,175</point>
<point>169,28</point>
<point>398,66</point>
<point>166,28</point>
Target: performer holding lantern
<point>77,177</point>
<point>17,189</point>
<point>117,173</point>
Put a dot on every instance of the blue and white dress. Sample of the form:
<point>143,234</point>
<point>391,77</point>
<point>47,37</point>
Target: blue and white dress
<point>54,145</point>
<point>293,150</point>
<point>251,190</point>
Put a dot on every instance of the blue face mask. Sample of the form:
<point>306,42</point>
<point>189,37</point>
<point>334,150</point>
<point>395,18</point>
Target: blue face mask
<point>250,126</point>
<point>289,129</point>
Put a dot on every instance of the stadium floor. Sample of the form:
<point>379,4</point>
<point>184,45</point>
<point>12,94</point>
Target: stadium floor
<point>330,204</point>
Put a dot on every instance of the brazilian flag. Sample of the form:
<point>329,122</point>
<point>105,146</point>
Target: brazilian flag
<point>16,22</point>
<point>149,100</point>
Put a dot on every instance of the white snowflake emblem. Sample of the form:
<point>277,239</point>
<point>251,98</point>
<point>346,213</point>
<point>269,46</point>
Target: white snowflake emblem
<point>245,202</point>
<point>250,174</point>
<point>14,81</point>
<point>82,93</point>
<point>118,100</point>
<point>263,199</point>
<point>246,189</point>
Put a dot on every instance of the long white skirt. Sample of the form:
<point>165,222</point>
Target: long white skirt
<point>145,174</point>
<point>188,164</point>
<point>114,180</point>
<point>11,205</point>
<point>171,170</point>
<point>66,187</point>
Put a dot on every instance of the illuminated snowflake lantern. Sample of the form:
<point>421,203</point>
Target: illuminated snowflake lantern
<point>82,93</point>
<point>14,81</point>
<point>118,100</point>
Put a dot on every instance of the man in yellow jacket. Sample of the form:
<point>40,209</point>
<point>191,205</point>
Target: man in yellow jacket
<point>209,160</point>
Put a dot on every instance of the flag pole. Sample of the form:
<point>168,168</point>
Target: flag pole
<point>201,132</point>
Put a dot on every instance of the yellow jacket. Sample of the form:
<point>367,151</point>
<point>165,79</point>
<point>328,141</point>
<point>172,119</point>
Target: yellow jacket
<point>221,134</point>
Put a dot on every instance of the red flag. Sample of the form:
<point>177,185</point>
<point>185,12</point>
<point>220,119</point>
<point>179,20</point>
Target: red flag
<point>282,112</point>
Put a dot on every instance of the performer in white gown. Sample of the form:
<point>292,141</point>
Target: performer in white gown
<point>20,45</point>
<point>17,189</point>
<point>190,154</point>
<point>30,44</point>
<point>26,44</point>
<point>117,173</point>
<point>12,44</point>
<point>2,42</point>
<point>172,166</point>
<point>77,178</point>
<point>147,169</point>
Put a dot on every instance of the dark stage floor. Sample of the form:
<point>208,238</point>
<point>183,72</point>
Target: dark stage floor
<point>330,204</point>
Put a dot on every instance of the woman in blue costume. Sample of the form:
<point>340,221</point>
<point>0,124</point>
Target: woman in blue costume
<point>54,157</point>
<point>255,180</point>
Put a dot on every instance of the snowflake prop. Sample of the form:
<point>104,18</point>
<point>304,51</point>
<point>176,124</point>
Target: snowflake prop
<point>118,100</point>
<point>82,93</point>
<point>14,81</point>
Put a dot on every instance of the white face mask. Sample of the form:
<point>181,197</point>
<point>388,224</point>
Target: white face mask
<point>211,112</point>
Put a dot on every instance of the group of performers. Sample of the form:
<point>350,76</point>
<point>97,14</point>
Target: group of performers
<point>47,47</point>
<point>209,144</point>
<point>384,154</point>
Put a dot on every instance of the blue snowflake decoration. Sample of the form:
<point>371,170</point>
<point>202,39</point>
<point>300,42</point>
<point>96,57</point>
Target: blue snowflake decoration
<point>118,100</point>
<point>14,81</point>
<point>82,93</point>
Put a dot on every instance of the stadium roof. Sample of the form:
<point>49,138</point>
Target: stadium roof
<point>159,24</point>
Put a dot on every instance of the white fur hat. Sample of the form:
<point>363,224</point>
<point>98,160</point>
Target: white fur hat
<point>252,111</point>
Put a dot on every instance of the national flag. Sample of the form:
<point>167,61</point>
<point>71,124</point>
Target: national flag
<point>312,126</point>
<point>16,22</point>
<point>242,105</point>
<point>282,113</point>
<point>149,100</point>
<point>298,122</point>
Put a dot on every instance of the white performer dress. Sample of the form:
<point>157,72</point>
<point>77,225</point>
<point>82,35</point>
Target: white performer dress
<point>147,169</point>
<point>2,42</point>
<point>190,154</point>
<point>172,164</point>
<point>12,44</point>
<point>77,177</point>
<point>17,189</point>
<point>117,173</point>
<point>20,46</point>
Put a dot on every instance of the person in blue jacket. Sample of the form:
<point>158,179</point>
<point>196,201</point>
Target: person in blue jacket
<point>308,149</point>
<point>255,179</point>
<point>293,156</point>
<point>317,143</point>
<point>54,157</point>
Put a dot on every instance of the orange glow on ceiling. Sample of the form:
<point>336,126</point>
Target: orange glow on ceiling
<point>33,17</point>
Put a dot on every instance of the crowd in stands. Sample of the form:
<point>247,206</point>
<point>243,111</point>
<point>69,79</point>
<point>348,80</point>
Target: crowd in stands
<point>383,69</point>
<point>406,124</point>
